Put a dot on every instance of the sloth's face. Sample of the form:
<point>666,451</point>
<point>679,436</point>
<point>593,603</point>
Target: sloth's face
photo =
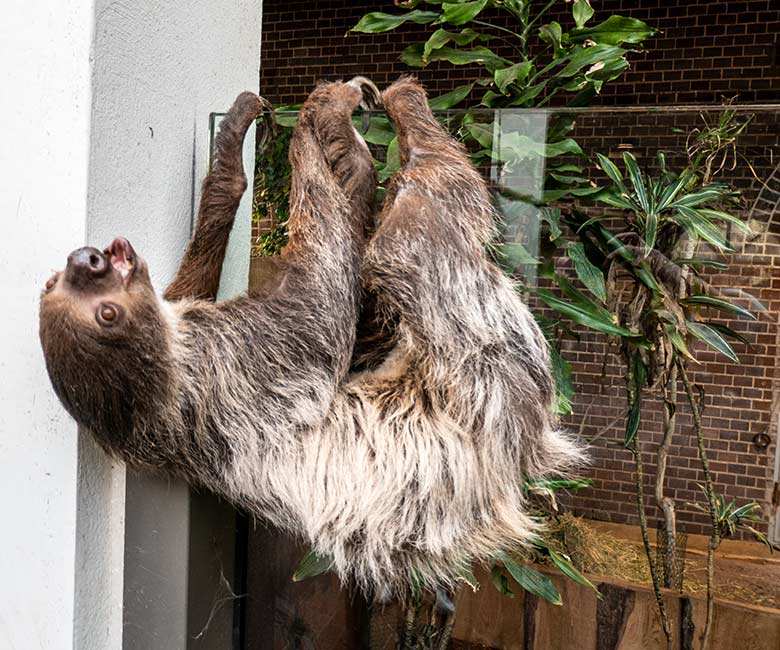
<point>103,335</point>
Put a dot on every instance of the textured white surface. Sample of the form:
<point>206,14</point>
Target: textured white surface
<point>105,118</point>
<point>45,80</point>
<point>160,68</point>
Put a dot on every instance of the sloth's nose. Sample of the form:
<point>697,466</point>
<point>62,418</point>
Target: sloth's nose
<point>85,264</point>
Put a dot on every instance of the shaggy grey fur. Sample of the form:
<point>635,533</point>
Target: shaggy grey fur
<point>403,471</point>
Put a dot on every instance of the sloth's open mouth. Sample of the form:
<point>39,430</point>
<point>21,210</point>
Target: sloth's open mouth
<point>122,256</point>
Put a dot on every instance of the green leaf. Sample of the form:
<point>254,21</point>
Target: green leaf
<point>393,162</point>
<point>585,57</point>
<point>698,225</point>
<point>727,331</point>
<point>500,581</point>
<point>450,99</point>
<point>564,389</point>
<point>637,181</point>
<point>693,261</point>
<point>615,30</point>
<point>460,13</point>
<point>556,484</point>
<point>514,254</point>
<point>611,170</point>
<point>718,303</point>
<point>582,12</point>
<point>569,570</point>
<point>673,189</point>
<point>588,274</point>
<point>632,424</point>
<point>376,22</point>
<point>380,131</point>
<point>651,232</point>
<point>514,73</point>
<point>478,54</point>
<point>678,342</point>
<point>551,34</point>
<point>582,314</point>
<point>312,565</point>
<point>713,338</point>
<point>441,37</point>
<point>533,582</point>
<point>518,146</point>
<point>725,216</point>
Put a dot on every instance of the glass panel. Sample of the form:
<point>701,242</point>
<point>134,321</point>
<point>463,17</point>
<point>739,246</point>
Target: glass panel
<point>544,171</point>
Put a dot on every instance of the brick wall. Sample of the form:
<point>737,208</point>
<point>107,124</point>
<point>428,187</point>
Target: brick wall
<point>706,51</point>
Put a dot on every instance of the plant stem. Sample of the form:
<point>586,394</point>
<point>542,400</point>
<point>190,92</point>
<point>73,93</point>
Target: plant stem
<point>709,491</point>
<point>664,503</point>
<point>634,393</point>
<point>640,505</point>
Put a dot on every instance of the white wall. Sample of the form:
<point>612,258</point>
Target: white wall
<point>104,114</point>
<point>44,113</point>
<point>160,68</point>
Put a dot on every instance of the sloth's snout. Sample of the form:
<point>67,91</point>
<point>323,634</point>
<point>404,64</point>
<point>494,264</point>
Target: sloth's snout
<point>86,264</point>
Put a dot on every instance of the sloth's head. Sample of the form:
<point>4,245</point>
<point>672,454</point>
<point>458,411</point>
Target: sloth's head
<point>104,338</point>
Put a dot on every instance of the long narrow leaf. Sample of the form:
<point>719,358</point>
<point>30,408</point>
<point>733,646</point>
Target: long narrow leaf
<point>713,338</point>
<point>590,276</point>
<point>637,181</point>
<point>718,303</point>
<point>376,22</point>
<point>583,316</point>
<point>312,565</point>
<point>569,570</point>
<point>533,582</point>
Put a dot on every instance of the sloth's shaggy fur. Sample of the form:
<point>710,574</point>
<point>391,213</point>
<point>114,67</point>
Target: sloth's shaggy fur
<point>403,471</point>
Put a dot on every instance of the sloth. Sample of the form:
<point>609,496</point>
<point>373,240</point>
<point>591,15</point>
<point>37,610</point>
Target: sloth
<point>402,456</point>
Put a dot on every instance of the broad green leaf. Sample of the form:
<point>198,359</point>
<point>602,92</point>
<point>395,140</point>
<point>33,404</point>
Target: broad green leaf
<point>551,34</point>
<point>478,54</point>
<point>450,99</point>
<point>583,315</point>
<point>380,131</point>
<point>584,57</point>
<point>441,37</point>
<point>615,30</point>
<point>514,254</point>
<point>312,565</point>
<point>463,12</point>
<point>582,12</point>
<point>588,274</point>
<point>514,73</point>
<point>552,217</point>
<point>376,22</point>
<point>393,162</point>
<point>718,303</point>
<point>712,337</point>
<point>518,146</point>
<point>569,570</point>
<point>533,582</point>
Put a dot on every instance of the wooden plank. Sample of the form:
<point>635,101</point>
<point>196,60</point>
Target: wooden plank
<point>282,614</point>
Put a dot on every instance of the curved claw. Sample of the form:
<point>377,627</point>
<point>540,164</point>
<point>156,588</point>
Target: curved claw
<point>371,100</point>
<point>265,123</point>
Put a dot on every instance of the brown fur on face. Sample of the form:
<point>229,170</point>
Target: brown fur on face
<point>99,336</point>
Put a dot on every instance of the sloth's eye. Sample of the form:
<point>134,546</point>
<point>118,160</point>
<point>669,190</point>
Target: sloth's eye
<point>107,314</point>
